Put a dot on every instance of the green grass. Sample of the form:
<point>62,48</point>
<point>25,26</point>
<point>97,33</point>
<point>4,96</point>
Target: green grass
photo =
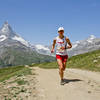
<point>47,65</point>
<point>82,61</point>
<point>21,82</point>
<point>6,73</point>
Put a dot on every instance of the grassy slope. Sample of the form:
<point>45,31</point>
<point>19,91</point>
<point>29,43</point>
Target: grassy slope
<point>6,73</point>
<point>88,61</point>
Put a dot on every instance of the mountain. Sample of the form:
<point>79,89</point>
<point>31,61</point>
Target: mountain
<point>79,47</point>
<point>14,50</point>
<point>42,49</point>
<point>8,37</point>
<point>90,44</point>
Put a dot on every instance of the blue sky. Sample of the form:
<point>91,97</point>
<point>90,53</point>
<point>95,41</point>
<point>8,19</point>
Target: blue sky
<point>38,20</point>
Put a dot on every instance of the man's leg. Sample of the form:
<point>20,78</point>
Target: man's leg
<point>64,66</point>
<point>60,64</point>
<point>64,61</point>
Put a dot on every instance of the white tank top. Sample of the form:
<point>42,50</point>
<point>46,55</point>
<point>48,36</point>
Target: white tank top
<point>60,44</point>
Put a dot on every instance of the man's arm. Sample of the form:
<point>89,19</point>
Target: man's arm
<point>53,46</point>
<point>69,43</point>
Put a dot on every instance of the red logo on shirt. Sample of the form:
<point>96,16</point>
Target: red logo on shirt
<point>61,42</point>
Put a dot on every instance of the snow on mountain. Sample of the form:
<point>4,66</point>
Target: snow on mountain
<point>83,46</point>
<point>75,44</point>
<point>2,38</point>
<point>42,49</point>
<point>6,28</point>
<point>91,38</point>
<point>17,38</point>
<point>38,46</point>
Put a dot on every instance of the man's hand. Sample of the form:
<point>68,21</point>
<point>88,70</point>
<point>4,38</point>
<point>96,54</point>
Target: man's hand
<point>53,46</point>
<point>62,48</point>
<point>69,44</point>
<point>68,47</point>
<point>52,50</point>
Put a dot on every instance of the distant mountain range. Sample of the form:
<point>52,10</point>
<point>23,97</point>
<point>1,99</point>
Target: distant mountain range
<point>14,50</point>
<point>90,44</point>
<point>79,47</point>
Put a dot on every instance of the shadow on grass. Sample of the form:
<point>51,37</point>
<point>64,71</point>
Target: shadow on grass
<point>66,81</point>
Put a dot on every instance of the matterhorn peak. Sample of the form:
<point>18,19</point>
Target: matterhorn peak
<point>6,27</point>
<point>7,30</point>
<point>6,33</point>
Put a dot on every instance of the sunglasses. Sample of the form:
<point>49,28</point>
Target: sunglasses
<point>61,31</point>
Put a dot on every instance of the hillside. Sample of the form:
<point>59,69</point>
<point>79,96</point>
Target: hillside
<point>88,61</point>
<point>13,56</point>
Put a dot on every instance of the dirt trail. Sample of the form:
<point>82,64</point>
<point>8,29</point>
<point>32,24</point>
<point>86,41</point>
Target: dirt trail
<point>44,84</point>
<point>80,85</point>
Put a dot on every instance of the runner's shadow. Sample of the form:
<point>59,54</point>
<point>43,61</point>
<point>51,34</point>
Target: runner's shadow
<point>71,80</point>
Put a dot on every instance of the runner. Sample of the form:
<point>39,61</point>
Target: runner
<point>61,42</point>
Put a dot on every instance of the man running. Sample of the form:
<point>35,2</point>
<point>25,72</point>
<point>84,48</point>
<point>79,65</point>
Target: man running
<point>61,42</point>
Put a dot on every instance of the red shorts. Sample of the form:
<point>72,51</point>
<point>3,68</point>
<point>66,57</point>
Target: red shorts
<point>62,57</point>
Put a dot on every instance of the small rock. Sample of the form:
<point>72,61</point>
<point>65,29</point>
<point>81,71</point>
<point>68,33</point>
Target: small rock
<point>26,65</point>
<point>92,85</point>
<point>89,91</point>
<point>89,81</point>
<point>95,61</point>
<point>98,56</point>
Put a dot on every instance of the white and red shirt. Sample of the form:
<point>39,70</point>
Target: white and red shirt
<point>60,44</point>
